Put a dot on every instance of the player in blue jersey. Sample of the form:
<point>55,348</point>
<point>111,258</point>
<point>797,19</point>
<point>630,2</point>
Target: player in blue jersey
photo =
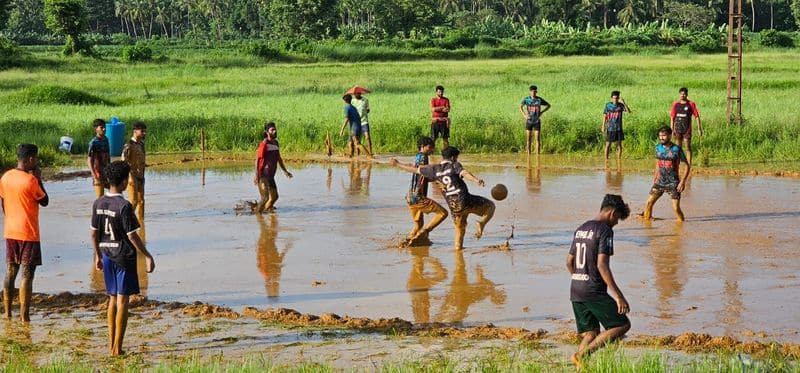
<point>612,125</point>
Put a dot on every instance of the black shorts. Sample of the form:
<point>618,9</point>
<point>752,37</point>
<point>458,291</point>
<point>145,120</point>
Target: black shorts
<point>589,315</point>
<point>533,125</point>
<point>440,129</point>
<point>657,190</point>
<point>614,136</point>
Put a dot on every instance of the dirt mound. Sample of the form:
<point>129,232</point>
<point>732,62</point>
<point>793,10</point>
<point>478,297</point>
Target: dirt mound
<point>695,342</point>
<point>199,309</point>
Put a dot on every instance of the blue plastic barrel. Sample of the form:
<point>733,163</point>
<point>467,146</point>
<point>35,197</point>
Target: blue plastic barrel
<point>115,131</point>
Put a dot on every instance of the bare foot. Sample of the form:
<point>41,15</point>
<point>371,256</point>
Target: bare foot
<point>479,231</point>
<point>575,360</point>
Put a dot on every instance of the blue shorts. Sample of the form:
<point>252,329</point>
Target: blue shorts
<point>355,130</point>
<point>118,280</point>
<point>365,128</point>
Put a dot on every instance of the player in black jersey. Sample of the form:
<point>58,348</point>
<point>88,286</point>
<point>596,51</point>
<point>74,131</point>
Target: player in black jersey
<point>115,241</point>
<point>589,263</point>
<point>451,175</point>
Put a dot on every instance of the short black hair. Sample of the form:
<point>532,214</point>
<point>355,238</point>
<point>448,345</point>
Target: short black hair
<point>269,125</point>
<point>450,152</point>
<point>438,87</point>
<point>25,151</point>
<point>98,122</point>
<point>347,98</point>
<point>684,89</point>
<point>139,125</point>
<point>614,201</point>
<point>614,93</point>
<point>533,88</point>
<point>424,141</point>
<point>117,172</point>
<point>665,129</point>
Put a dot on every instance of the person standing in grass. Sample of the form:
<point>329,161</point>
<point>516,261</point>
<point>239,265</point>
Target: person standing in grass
<point>99,157</point>
<point>531,109</point>
<point>681,121</point>
<point>417,198</point>
<point>440,120</point>
<point>133,153</point>
<point>115,241</point>
<point>612,125</point>
<point>268,158</point>
<point>353,120</point>
<point>667,176</point>
<point>451,175</point>
<point>21,194</point>
<point>589,264</point>
<point>362,105</point>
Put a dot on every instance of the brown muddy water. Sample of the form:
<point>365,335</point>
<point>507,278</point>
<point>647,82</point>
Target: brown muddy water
<point>730,269</point>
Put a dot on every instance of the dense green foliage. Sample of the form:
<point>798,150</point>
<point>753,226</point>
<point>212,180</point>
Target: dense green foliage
<point>68,17</point>
<point>140,52</point>
<point>231,95</point>
<point>214,21</point>
<point>53,94</point>
<point>772,38</point>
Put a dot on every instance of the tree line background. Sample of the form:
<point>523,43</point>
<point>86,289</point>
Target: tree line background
<point>217,20</point>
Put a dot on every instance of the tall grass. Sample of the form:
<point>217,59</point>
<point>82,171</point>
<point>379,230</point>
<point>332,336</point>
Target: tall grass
<point>231,95</point>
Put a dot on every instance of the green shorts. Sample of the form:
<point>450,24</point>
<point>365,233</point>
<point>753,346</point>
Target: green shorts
<point>589,315</point>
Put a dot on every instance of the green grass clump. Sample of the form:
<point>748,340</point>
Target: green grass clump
<point>54,94</point>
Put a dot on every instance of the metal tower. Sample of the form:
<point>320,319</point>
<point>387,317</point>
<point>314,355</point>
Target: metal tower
<point>734,101</point>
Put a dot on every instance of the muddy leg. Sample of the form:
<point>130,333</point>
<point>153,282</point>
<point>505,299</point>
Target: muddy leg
<point>460,221</point>
<point>272,191</point>
<point>120,323</point>
<point>98,189</point>
<point>369,142</point>
<point>601,340</point>
<point>25,292</point>
<point>487,213</point>
<point>8,287</point>
<point>528,135</point>
<point>606,148</point>
<point>688,149</point>
<point>439,214</point>
<point>536,140</point>
<point>350,147</point>
<point>619,154</point>
<point>419,221</point>
<point>648,207</point>
<point>676,206</point>
<point>111,316</point>
<point>588,337</point>
<point>264,193</point>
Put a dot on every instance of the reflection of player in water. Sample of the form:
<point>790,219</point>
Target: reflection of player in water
<point>669,267</point>
<point>420,282</point>
<point>359,184</point>
<point>268,259</point>
<point>462,294</point>
<point>533,179</point>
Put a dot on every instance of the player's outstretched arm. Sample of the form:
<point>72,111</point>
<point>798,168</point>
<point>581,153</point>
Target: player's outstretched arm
<point>469,176</point>
<point>404,166</point>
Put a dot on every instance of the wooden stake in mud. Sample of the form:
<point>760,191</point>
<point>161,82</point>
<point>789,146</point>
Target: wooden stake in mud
<point>203,155</point>
<point>328,144</point>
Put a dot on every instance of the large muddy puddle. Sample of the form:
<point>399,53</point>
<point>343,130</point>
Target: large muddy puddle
<point>730,269</point>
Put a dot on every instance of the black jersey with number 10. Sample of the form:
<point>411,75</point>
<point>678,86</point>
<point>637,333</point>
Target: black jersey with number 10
<point>590,239</point>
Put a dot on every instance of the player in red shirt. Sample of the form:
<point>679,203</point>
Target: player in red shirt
<point>268,158</point>
<point>681,121</point>
<point>440,121</point>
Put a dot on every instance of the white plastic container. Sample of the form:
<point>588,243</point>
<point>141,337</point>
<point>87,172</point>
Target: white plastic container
<point>66,144</point>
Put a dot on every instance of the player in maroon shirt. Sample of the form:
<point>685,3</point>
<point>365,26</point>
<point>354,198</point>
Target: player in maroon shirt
<point>681,121</point>
<point>440,120</point>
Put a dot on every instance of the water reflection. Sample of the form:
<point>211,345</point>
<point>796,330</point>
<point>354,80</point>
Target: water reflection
<point>614,181</point>
<point>420,282</point>
<point>359,184</point>
<point>268,259</point>
<point>669,265</point>
<point>533,179</point>
<point>462,294</point>
<point>329,178</point>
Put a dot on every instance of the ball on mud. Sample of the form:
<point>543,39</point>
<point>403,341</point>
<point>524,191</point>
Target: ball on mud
<point>499,192</point>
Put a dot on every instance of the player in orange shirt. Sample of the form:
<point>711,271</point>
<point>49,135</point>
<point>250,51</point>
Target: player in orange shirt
<point>21,193</point>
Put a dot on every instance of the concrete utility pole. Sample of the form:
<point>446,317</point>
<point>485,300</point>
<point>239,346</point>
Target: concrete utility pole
<point>734,101</point>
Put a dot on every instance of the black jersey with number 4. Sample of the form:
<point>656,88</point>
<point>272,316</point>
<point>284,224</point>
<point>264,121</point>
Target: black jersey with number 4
<point>454,188</point>
<point>590,239</point>
<point>113,219</point>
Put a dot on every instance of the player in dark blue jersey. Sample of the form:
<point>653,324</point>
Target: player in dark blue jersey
<point>116,241</point>
<point>612,125</point>
<point>667,177</point>
<point>589,264</point>
<point>531,109</point>
<point>451,175</point>
<point>417,198</point>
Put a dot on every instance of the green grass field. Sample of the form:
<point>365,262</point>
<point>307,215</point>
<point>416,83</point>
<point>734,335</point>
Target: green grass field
<point>231,95</point>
